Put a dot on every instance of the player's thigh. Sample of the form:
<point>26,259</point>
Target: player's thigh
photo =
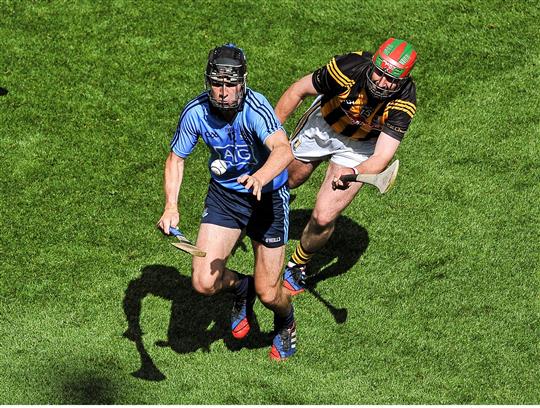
<point>299,171</point>
<point>217,242</point>
<point>330,203</point>
<point>268,266</point>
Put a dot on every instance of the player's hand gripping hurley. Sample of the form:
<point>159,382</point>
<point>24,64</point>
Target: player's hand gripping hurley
<point>185,244</point>
<point>383,181</point>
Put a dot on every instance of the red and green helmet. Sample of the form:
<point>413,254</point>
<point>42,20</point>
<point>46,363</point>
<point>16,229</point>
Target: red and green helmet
<point>394,60</point>
<point>395,57</point>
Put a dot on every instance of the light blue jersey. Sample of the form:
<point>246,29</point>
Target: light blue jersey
<point>240,143</point>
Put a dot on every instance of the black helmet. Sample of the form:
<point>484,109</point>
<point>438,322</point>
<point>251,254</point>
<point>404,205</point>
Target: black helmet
<point>226,67</point>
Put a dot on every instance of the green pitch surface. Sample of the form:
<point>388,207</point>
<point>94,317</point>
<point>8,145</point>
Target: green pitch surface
<point>426,295</point>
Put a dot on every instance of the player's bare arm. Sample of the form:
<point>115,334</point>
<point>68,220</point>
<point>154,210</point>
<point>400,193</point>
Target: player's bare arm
<point>385,149</point>
<point>294,96</point>
<point>280,157</point>
<point>172,180</point>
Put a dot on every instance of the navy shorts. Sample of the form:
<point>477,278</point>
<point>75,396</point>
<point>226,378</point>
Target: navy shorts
<point>265,221</point>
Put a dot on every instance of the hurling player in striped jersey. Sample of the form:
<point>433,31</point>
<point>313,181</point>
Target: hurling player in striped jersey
<point>240,128</point>
<point>364,106</point>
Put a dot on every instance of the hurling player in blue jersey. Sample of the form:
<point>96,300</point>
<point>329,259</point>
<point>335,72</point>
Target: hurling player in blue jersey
<point>239,127</point>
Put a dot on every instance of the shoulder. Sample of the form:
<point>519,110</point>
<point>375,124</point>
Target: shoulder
<point>405,101</point>
<point>259,114</point>
<point>196,106</point>
<point>352,60</point>
<point>255,98</point>
<point>408,92</point>
<point>257,103</point>
<point>344,68</point>
<point>198,102</point>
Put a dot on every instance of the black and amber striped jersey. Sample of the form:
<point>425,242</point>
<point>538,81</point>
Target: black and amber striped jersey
<point>348,107</point>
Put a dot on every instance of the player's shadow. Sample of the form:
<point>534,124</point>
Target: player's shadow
<point>347,244</point>
<point>195,322</point>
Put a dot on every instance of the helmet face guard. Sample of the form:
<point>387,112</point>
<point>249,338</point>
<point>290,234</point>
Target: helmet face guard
<point>393,61</point>
<point>226,69</point>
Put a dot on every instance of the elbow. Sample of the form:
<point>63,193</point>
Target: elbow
<point>299,91</point>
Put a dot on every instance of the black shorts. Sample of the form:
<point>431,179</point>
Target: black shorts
<point>265,221</point>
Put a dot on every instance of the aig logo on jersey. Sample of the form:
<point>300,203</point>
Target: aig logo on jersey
<point>236,154</point>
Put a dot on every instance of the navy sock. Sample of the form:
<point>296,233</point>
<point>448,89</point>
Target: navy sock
<point>284,321</point>
<point>242,287</point>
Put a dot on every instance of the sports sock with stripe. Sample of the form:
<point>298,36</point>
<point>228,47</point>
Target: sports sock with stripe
<point>301,257</point>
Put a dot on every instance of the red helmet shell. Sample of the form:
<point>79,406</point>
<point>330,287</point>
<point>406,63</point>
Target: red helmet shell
<point>395,57</point>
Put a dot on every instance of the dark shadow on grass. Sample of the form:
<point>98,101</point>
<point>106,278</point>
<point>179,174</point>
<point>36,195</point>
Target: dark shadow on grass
<point>196,321</point>
<point>3,91</point>
<point>340,254</point>
<point>88,389</point>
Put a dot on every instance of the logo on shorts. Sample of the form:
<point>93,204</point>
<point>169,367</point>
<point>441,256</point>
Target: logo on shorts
<point>272,240</point>
<point>205,212</point>
<point>296,143</point>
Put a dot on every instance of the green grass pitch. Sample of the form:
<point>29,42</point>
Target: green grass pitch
<point>426,295</point>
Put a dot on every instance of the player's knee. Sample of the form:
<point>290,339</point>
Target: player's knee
<point>204,289</point>
<point>295,180</point>
<point>203,286</point>
<point>268,296</point>
<point>298,173</point>
<point>322,221</point>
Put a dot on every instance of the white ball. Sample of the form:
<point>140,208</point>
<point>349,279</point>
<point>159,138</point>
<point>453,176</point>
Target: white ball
<point>218,167</point>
